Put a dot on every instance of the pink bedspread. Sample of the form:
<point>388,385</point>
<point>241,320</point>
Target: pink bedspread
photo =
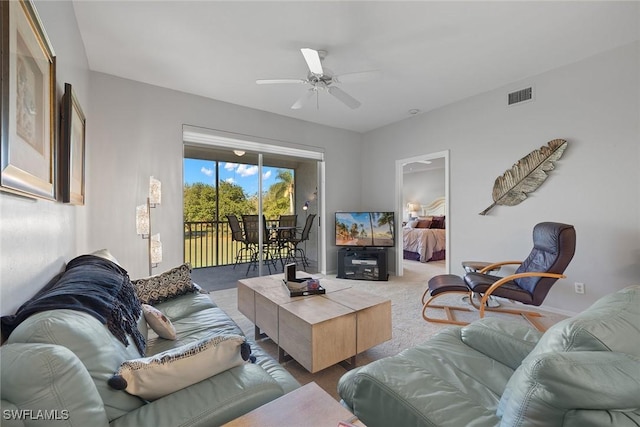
<point>424,241</point>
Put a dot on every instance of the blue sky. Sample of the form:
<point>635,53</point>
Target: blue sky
<point>244,175</point>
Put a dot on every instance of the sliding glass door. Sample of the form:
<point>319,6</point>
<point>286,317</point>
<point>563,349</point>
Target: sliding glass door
<point>272,192</point>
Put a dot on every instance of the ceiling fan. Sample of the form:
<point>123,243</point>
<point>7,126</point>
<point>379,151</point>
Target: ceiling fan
<point>320,78</point>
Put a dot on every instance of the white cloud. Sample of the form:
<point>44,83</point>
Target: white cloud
<point>246,170</point>
<point>207,171</point>
<point>230,166</point>
<point>229,180</point>
<point>266,175</point>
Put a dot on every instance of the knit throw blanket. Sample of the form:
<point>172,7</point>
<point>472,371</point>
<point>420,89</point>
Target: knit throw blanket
<point>93,285</point>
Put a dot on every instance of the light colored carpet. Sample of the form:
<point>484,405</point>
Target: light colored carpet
<point>408,329</point>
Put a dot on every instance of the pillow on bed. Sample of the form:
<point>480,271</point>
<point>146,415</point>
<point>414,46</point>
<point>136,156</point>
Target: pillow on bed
<point>411,224</point>
<point>437,222</point>
<point>424,223</point>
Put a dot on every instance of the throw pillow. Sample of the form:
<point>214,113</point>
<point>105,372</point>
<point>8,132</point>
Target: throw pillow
<point>424,223</point>
<point>162,287</point>
<point>159,322</point>
<point>164,373</point>
<point>437,222</point>
<point>104,253</point>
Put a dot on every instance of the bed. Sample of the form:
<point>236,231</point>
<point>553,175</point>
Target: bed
<point>424,239</point>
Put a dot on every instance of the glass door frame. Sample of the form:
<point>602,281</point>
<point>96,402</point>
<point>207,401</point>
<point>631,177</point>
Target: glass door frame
<point>199,136</point>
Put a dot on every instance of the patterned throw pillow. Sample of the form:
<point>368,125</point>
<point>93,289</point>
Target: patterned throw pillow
<point>159,322</point>
<point>162,287</point>
<point>172,370</point>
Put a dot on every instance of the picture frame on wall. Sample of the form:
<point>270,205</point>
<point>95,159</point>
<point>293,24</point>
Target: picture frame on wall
<point>72,148</point>
<point>28,106</point>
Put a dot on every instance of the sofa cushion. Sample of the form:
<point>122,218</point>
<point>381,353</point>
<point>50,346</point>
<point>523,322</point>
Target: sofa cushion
<point>502,340</point>
<point>611,324</point>
<point>98,350</point>
<point>171,370</point>
<point>185,305</point>
<point>605,326</point>
<point>440,382</point>
<point>550,385</point>
<point>164,286</point>
<point>197,326</point>
<point>212,402</point>
<point>160,323</point>
<point>55,382</point>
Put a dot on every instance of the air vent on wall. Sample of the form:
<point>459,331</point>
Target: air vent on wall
<point>520,96</point>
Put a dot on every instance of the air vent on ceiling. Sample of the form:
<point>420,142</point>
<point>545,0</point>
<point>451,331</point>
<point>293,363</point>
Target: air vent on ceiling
<point>520,96</point>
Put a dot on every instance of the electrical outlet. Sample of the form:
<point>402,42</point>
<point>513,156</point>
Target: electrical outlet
<point>579,287</point>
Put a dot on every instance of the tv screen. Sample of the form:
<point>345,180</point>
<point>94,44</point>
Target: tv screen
<point>365,229</point>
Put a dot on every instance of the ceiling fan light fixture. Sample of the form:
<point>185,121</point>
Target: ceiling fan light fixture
<point>238,153</point>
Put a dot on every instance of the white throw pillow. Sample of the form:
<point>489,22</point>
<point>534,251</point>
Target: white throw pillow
<point>104,253</point>
<point>159,322</point>
<point>172,370</point>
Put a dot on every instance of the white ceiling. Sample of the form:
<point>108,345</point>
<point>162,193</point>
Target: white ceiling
<point>429,53</point>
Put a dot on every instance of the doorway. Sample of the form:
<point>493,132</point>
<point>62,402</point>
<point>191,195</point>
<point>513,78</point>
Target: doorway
<point>413,208</point>
<point>265,161</point>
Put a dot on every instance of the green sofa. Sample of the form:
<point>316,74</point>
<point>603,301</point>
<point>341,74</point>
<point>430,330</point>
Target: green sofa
<point>56,364</point>
<point>583,371</point>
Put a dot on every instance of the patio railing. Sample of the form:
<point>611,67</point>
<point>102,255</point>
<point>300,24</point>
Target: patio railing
<point>209,243</point>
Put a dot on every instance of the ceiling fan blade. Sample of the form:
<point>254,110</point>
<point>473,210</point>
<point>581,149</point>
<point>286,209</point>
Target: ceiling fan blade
<point>347,99</point>
<point>361,76</point>
<point>303,99</point>
<point>279,81</point>
<point>313,60</point>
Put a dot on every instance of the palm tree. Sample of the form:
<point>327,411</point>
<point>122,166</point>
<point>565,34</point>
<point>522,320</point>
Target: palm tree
<point>386,218</point>
<point>285,186</point>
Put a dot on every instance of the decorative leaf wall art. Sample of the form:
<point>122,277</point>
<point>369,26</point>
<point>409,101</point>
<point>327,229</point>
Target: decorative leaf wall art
<point>526,175</point>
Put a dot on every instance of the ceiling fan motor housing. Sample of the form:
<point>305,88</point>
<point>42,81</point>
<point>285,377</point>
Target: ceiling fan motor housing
<point>320,80</point>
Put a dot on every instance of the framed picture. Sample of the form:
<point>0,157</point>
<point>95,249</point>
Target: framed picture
<point>28,106</point>
<point>72,137</point>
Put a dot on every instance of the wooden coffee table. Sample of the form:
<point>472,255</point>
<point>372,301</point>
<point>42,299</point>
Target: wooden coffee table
<point>318,331</point>
<point>308,406</point>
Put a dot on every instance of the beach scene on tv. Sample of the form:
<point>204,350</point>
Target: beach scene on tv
<point>364,228</point>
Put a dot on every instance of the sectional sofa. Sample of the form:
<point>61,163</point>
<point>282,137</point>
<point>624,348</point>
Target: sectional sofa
<point>65,364</point>
<point>583,371</point>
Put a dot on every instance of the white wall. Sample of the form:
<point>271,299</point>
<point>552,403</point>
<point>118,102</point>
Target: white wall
<point>37,237</point>
<point>594,104</point>
<point>136,131</point>
<point>421,187</point>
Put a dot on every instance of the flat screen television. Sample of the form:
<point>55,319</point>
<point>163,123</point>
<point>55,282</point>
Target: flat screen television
<point>365,229</point>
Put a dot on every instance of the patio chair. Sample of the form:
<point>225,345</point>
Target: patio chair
<point>251,232</point>
<point>296,252</point>
<point>237,235</point>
